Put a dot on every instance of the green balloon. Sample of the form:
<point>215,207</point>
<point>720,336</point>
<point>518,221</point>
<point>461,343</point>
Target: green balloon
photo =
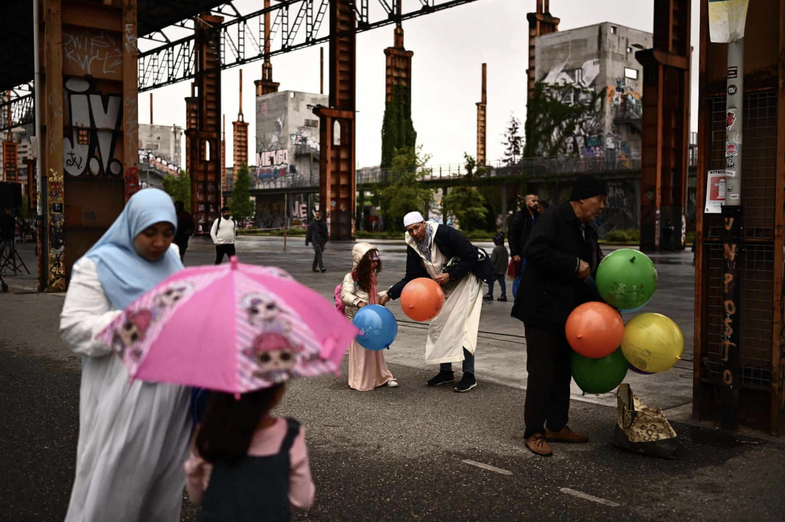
<point>598,375</point>
<point>626,279</point>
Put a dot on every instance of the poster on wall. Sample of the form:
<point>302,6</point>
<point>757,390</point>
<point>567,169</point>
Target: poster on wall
<point>715,191</point>
<point>727,19</point>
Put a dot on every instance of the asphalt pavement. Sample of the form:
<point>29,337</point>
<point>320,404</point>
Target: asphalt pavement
<point>411,453</point>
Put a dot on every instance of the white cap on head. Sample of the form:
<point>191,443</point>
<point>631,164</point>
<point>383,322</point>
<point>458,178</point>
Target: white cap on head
<point>412,217</point>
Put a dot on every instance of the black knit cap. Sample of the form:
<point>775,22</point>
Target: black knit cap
<point>587,186</point>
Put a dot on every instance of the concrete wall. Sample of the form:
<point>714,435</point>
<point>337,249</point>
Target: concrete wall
<point>164,141</point>
<point>599,57</point>
<point>287,136</point>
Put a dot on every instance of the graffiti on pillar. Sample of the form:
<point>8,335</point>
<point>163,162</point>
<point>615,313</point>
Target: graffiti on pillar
<point>92,52</point>
<point>730,296</point>
<point>94,127</point>
<point>56,276</point>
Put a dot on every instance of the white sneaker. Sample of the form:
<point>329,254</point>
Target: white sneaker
<point>392,383</point>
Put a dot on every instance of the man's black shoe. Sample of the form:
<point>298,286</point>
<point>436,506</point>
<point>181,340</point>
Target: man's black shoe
<point>324,270</point>
<point>468,383</point>
<point>442,378</point>
<point>487,297</point>
<point>503,299</point>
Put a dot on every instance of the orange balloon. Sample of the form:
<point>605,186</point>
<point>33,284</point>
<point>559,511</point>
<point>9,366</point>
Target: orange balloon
<point>594,330</point>
<point>422,299</point>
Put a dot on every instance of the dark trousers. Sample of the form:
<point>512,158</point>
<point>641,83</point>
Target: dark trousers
<point>548,384</point>
<point>182,244</point>
<point>318,248</point>
<point>502,283</point>
<point>220,250</point>
<point>467,366</point>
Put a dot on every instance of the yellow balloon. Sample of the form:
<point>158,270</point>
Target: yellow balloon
<point>652,343</point>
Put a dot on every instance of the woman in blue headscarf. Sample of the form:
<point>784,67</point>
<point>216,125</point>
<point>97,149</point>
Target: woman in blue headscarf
<point>133,437</point>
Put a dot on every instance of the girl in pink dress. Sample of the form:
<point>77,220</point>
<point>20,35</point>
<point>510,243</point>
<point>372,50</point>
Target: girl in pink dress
<point>246,464</point>
<point>367,369</point>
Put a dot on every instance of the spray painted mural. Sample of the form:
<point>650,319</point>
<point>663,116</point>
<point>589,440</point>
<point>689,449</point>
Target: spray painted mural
<point>94,130</point>
<point>581,134</point>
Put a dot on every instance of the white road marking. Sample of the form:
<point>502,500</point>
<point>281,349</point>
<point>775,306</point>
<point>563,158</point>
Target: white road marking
<point>586,496</point>
<point>487,466</point>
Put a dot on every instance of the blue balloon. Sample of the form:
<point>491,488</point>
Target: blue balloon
<point>377,326</point>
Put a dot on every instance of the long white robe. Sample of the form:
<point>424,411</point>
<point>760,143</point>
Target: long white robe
<point>457,325</point>
<point>133,438</point>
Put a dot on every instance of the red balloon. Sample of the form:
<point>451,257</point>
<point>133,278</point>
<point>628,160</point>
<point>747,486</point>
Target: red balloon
<point>422,299</point>
<point>594,330</point>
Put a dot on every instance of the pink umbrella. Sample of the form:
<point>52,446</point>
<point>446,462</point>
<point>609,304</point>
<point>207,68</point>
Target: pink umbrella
<point>232,328</point>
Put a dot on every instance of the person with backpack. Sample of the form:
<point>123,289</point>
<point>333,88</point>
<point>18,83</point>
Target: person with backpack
<point>246,464</point>
<point>224,233</point>
<point>367,369</point>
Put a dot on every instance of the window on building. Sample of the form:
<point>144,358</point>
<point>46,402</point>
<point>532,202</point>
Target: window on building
<point>613,29</point>
<point>83,137</point>
<point>631,73</point>
<point>311,123</point>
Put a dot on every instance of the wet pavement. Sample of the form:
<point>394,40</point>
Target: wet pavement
<point>412,453</point>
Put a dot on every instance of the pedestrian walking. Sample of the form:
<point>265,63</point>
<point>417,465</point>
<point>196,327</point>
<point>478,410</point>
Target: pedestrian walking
<point>520,229</point>
<point>562,253</point>
<point>246,464</point>
<point>224,233</point>
<point>185,228</point>
<point>445,255</point>
<point>133,436</point>
<point>667,235</point>
<point>317,235</point>
<point>499,259</point>
<point>367,369</point>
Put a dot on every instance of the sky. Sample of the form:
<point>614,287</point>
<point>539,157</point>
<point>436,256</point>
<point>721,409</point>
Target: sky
<point>449,49</point>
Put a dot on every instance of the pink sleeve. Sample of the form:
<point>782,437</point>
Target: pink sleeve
<point>197,476</point>
<point>301,487</point>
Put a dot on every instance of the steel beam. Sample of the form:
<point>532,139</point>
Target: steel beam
<point>89,137</point>
<point>174,62</point>
<point>665,142</point>
<point>337,186</point>
<point>203,132</point>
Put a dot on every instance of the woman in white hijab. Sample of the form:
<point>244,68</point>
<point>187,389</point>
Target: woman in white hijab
<point>133,437</point>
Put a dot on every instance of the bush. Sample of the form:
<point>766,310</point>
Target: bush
<point>617,236</point>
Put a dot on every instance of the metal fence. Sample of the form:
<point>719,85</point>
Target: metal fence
<point>757,273</point>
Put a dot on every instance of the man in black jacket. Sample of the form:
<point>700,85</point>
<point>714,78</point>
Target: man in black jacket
<point>445,255</point>
<point>317,234</point>
<point>561,254</point>
<point>521,225</point>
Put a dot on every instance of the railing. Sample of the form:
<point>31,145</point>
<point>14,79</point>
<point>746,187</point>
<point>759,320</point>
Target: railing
<point>525,167</point>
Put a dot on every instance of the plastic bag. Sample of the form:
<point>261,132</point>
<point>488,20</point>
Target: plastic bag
<point>641,429</point>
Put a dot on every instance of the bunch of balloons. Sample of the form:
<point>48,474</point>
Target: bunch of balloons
<point>377,325</point>
<point>604,348</point>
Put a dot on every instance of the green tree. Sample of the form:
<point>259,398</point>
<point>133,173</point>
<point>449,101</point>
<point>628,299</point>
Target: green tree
<point>407,193</point>
<point>397,126</point>
<point>464,202</point>
<point>513,141</point>
<point>242,205</point>
<point>24,210</point>
<point>558,113</point>
<point>179,187</point>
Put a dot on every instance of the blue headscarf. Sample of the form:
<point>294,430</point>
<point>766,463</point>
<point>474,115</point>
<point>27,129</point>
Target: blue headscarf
<point>123,273</point>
